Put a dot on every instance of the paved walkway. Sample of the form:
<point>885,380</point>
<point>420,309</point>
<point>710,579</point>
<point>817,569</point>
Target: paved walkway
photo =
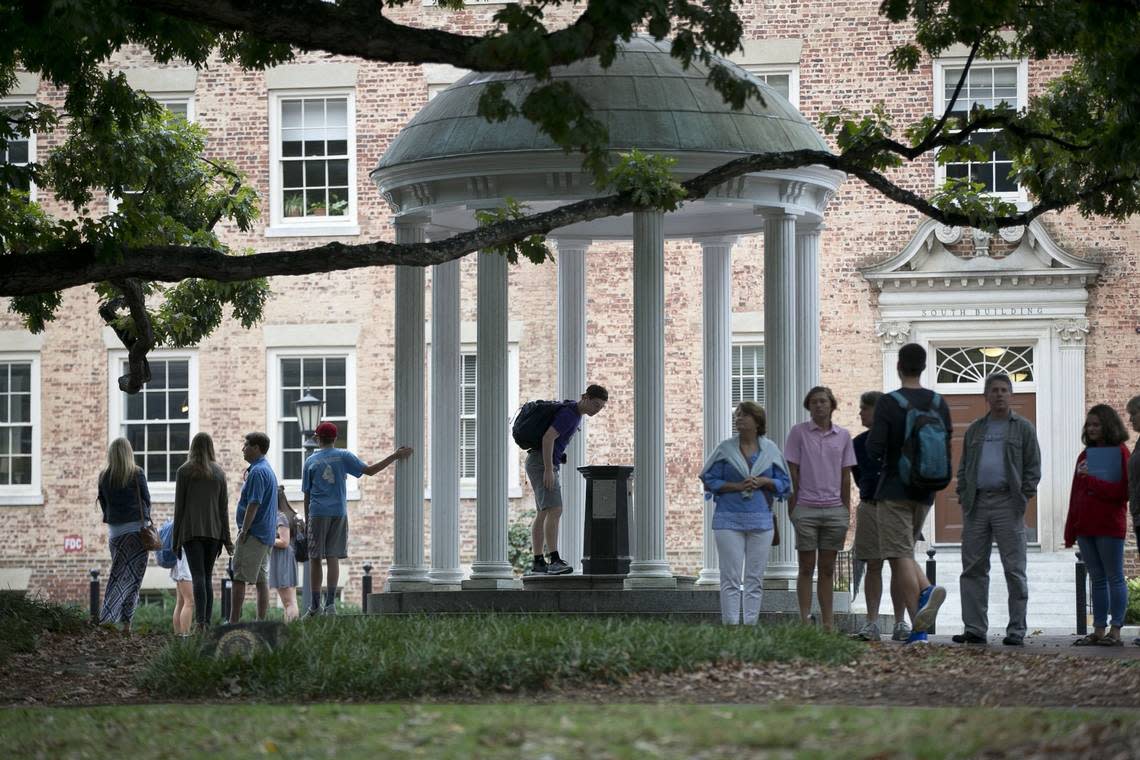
<point>1055,644</point>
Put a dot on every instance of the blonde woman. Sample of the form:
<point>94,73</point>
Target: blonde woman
<point>201,521</point>
<point>125,500</point>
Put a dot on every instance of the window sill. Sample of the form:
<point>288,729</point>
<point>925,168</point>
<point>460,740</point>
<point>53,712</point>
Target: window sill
<point>341,229</point>
<point>22,499</point>
<point>161,493</point>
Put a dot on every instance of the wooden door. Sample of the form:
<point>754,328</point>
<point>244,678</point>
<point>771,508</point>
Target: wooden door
<point>947,512</point>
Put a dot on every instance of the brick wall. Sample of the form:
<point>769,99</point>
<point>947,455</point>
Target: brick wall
<point>843,65</point>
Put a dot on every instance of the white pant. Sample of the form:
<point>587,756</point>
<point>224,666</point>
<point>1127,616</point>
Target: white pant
<point>747,551</point>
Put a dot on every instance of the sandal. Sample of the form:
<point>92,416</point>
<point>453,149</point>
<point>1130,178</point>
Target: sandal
<point>1093,639</point>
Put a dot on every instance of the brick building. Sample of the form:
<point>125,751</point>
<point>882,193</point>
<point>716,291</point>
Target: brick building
<point>1056,304</point>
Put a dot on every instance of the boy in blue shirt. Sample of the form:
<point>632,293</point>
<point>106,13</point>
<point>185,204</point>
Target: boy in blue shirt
<point>324,481</point>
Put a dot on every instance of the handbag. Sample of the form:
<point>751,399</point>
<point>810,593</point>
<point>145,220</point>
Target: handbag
<point>147,533</point>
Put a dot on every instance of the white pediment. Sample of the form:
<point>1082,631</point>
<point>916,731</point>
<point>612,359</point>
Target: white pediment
<point>928,263</point>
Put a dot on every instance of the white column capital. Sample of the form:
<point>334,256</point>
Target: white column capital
<point>1072,331</point>
<point>716,241</point>
<point>564,243</point>
<point>893,334</point>
<point>808,226</point>
<point>416,221</point>
<point>771,213</point>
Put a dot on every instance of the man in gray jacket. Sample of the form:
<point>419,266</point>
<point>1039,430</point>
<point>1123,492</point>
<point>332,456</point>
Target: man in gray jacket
<point>997,475</point>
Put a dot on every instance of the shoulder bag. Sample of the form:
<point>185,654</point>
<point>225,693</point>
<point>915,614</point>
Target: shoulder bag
<point>147,533</point>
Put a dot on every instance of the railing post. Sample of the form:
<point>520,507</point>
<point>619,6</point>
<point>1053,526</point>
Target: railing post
<point>366,587</point>
<point>93,591</point>
<point>1082,597</point>
<point>931,575</point>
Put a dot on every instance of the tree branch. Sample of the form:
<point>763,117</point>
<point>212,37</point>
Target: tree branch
<point>31,273</point>
<point>138,346</point>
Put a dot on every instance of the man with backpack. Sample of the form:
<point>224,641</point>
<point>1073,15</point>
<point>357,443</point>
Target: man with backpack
<point>997,476</point>
<point>544,429</point>
<point>910,439</point>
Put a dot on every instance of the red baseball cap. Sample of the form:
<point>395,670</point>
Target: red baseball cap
<point>326,430</point>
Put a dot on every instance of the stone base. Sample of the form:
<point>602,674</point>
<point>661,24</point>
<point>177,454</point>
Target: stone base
<point>650,582</point>
<point>564,582</point>
<point>493,584</point>
<point>393,585</point>
<point>780,584</point>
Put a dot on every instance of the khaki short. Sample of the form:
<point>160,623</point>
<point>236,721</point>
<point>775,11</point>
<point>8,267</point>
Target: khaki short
<point>544,498</point>
<point>821,528</point>
<point>867,531</point>
<point>250,561</point>
<point>900,523</point>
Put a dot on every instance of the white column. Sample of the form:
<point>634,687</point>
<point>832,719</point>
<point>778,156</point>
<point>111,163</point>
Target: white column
<point>780,378</point>
<point>807,309</point>
<point>1069,409</point>
<point>649,568</point>
<point>491,568</point>
<point>408,570</point>
<point>717,332</point>
<point>445,358</point>
<point>571,384</point>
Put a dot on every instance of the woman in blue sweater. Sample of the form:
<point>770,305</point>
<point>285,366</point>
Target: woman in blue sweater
<point>125,501</point>
<point>744,475</point>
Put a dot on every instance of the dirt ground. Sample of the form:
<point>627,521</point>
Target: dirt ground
<point>99,667</point>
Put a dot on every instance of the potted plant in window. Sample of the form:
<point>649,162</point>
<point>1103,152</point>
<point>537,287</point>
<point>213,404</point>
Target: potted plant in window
<point>317,208</point>
<point>294,206</point>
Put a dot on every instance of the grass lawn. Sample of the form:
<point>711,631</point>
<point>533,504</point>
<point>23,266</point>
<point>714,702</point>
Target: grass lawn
<point>518,731</point>
<point>371,658</point>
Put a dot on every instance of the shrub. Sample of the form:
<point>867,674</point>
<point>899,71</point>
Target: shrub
<point>23,619</point>
<point>519,552</point>
<point>1132,614</point>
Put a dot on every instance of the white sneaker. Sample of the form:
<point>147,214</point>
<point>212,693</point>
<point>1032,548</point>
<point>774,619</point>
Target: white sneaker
<point>869,632</point>
<point>330,609</point>
<point>901,631</point>
<point>928,608</point>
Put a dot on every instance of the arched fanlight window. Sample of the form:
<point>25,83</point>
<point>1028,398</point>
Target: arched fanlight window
<point>976,363</point>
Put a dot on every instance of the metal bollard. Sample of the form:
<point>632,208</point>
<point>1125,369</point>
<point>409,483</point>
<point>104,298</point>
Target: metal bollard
<point>94,596</point>
<point>366,587</point>
<point>1082,597</point>
<point>227,594</point>
<point>931,575</point>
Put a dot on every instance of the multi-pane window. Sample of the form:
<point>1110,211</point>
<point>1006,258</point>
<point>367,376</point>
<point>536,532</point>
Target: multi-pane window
<point>324,377</point>
<point>16,423</point>
<point>988,86</point>
<point>467,422</point>
<point>178,106</point>
<point>314,157</point>
<point>784,79</point>
<point>156,420</point>
<point>16,151</point>
<point>747,373</point>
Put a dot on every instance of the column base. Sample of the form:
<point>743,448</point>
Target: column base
<point>708,579</point>
<point>445,577</point>
<point>633,583</point>
<point>407,575</point>
<point>497,584</point>
<point>395,584</point>
<point>779,584</point>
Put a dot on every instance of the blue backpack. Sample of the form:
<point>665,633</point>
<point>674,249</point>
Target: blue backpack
<point>165,557</point>
<point>924,462</point>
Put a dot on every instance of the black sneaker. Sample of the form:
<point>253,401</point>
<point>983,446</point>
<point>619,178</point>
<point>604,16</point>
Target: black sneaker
<point>558,567</point>
<point>538,568</point>
<point>1013,641</point>
<point>968,638</point>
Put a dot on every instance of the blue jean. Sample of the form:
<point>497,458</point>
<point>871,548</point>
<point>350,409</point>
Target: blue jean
<point>1104,558</point>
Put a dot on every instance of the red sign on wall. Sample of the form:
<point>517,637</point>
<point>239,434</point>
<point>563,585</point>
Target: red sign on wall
<point>72,544</point>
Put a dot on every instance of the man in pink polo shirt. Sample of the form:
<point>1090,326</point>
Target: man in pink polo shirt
<point>820,456</point>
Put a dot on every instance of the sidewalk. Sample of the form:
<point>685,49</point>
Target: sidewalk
<point>1047,643</point>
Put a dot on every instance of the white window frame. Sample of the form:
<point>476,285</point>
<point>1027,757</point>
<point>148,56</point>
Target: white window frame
<point>940,67</point>
<point>32,493</point>
<point>18,102</point>
<point>161,491</point>
<point>273,418</point>
<point>281,226</point>
<point>791,70</point>
<point>165,99</point>
<point>748,338</point>
<point>467,486</point>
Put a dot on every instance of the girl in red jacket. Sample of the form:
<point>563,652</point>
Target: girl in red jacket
<point>1097,523</point>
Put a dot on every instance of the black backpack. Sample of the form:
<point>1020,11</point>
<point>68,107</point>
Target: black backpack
<point>533,420</point>
<point>299,536</point>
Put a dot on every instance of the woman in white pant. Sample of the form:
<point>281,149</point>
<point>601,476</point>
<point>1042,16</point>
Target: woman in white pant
<point>744,475</point>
